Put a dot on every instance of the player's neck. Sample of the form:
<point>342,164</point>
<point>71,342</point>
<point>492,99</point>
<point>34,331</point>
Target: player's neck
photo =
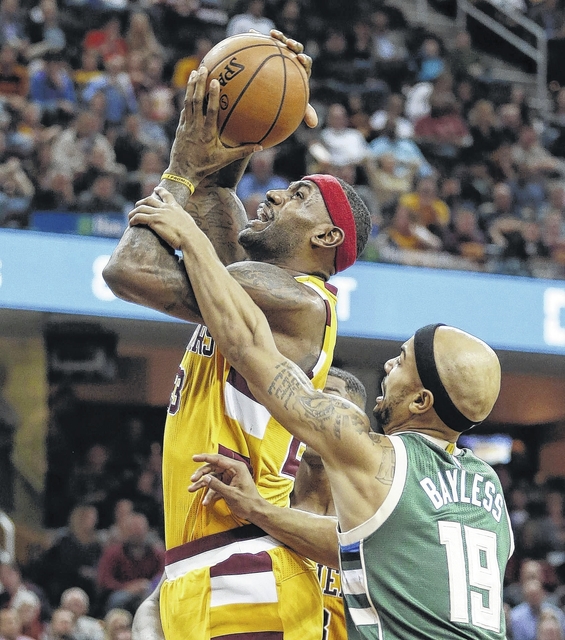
<point>312,490</point>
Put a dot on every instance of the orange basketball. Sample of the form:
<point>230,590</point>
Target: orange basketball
<point>263,89</point>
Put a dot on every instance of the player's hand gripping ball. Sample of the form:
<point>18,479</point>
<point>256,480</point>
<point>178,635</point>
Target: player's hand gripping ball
<point>263,89</point>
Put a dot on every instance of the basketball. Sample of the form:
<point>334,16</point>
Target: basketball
<point>263,89</point>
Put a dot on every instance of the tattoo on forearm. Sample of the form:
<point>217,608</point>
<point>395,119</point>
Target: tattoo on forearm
<point>318,412</point>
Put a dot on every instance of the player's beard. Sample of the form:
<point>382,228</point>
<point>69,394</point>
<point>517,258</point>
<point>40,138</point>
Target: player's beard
<point>267,245</point>
<point>384,412</point>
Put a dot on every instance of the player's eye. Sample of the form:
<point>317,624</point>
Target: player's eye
<point>299,195</point>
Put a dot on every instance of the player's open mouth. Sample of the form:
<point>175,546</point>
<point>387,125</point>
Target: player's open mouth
<point>265,213</point>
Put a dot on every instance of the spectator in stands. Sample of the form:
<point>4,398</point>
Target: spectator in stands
<point>54,192</point>
<point>292,21</point>
<point>89,69</point>
<point>29,133</point>
<point>14,78</point>
<point>511,122</point>
<point>108,40</point>
<point>442,134</point>
<point>150,169</point>
<point>345,144</point>
<point>11,625</point>
<point>12,26</point>
<point>529,570</point>
<point>529,191</point>
<point>403,233</point>
<point>549,15</point>
<point>61,627</point>
<point>16,193</point>
<point>140,36</point>
<point>45,32</point>
<point>394,110</point>
<point>387,179</point>
<point>407,155</point>
<point>390,52</point>
<point>28,606</point>
<point>117,531</point>
<point>485,134</point>
<point>76,601</point>
<point>117,88</point>
<point>127,571</point>
<point>103,196</point>
<point>530,152</point>
<point>117,625</point>
<point>549,627</point>
<point>91,483</point>
<point>260,176</point>
<point>525,616</point>
<point>152,133</point>
<point>145,502</point>
<point>72,146</point>
<point>14,590</point>
<point>128,146</point>
<point>52,88</point>
<point>186,65</point>
<point>501,164</point>
<point>464,60</point>
<point>332,80</point>
<point>252,18</point>
<point>96,166</point>
<point>161,95</point>
<point>72,559</point>
<point>464,237</point>
<point>430,61</point>
<point>429,211</point>
<point>501,206</point>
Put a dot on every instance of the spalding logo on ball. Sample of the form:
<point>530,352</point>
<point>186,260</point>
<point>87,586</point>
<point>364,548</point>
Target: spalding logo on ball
<point>263,89</point>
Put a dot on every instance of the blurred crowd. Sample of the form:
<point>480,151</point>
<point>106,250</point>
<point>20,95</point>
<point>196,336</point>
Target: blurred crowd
<point>457,169</point>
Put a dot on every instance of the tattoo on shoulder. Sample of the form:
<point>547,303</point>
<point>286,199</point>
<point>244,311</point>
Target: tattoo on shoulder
<point>260,277</point>
<point>385,474</point>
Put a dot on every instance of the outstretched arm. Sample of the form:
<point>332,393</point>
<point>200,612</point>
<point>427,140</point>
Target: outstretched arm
<point>308,534</point>
<point>334,427</point>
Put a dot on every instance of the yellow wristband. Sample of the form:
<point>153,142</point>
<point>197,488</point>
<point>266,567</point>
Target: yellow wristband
<point>187,183</point>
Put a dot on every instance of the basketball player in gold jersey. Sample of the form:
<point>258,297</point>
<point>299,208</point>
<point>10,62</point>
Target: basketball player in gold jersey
<point>222,578</point>
<point>311,494</point>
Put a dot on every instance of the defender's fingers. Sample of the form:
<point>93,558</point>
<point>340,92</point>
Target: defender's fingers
<point>166,196</point>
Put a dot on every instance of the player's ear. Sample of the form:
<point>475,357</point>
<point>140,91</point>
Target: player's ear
<point>329,237</point>
<point>422,402</point>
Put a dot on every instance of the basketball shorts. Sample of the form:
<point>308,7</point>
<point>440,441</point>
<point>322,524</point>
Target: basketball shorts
<point>240,584</point>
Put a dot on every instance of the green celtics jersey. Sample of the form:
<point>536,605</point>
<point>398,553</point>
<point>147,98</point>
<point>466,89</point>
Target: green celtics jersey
<point>430,563</point>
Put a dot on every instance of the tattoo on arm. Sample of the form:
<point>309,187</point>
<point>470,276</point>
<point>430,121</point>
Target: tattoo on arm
<point>385,474</point>
<point>262,278</point>
<point>317,411</point>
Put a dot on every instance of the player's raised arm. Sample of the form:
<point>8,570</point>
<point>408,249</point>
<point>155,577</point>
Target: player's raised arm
<point>142,268</point>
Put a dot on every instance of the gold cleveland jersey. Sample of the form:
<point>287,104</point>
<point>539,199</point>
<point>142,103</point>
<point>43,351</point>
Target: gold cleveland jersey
<point>334,616</point>
<point>212,410</point>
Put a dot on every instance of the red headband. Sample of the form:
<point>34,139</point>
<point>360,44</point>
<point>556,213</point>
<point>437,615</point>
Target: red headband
<point>340,212</point>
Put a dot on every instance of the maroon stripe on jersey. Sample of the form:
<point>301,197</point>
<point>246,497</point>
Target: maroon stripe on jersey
<point>230,453</point>
<point>241,563</point>
<point>331,288</point>
<point>252,635</point>
<point>214,541</point>
<point>328,314</point>
<point>239,383</point>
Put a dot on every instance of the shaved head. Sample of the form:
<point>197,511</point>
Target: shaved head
<point>469,370</point>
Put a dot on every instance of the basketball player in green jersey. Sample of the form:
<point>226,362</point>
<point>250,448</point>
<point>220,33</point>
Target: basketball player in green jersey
<point>424,534</point>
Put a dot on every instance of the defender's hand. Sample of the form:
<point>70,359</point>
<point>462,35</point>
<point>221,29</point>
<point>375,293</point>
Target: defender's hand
<point>229,479</point>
